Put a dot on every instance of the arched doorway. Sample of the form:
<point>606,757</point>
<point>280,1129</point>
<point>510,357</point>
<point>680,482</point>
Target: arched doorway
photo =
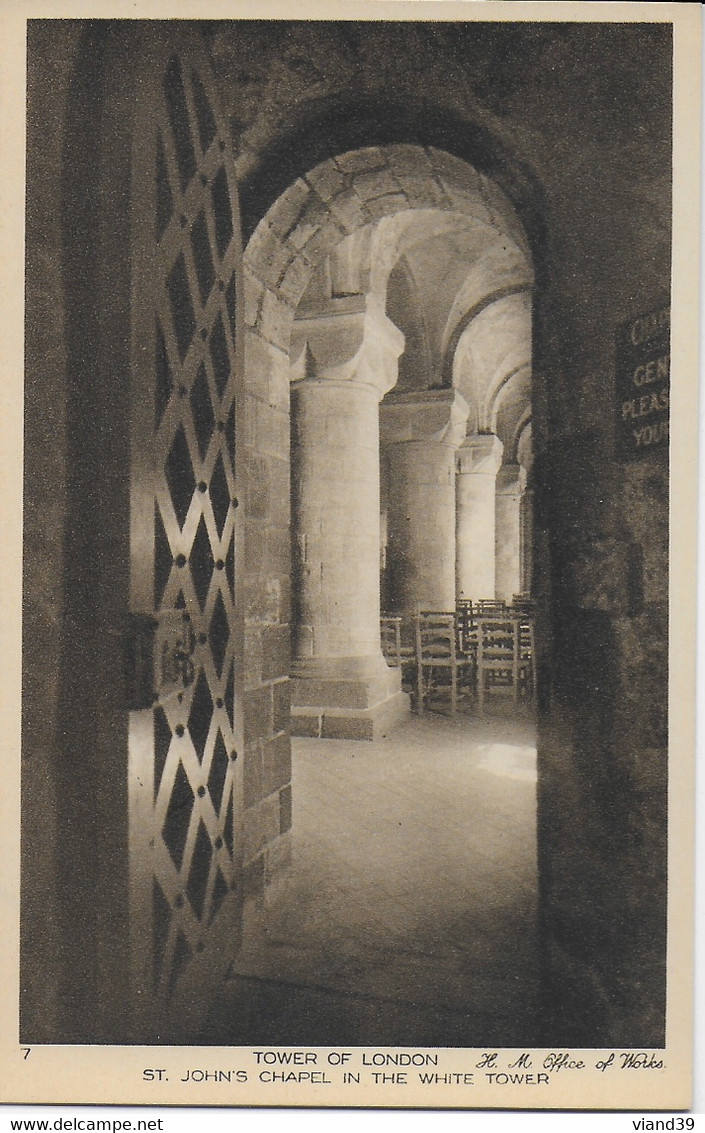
<point>327,266</point>
<point>364,311</point>
<point>602,558</point>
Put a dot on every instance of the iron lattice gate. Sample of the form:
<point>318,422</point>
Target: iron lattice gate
<point>185,774</point>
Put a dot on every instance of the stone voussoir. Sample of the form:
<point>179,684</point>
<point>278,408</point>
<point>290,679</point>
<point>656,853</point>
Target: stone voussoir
<point>327,180</point>
<point>387,205</point>
<point>253,291</point>
<point>294,281</point>
<point>275,320</point>
<point>348,210</point>
<point>268,254</point>
<point>375,183</point>
<point>369,157</point>
<point>324,240</point>
<point>285,214</point>
<point>313,217</point>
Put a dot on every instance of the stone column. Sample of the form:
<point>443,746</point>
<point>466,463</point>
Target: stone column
<point>478,461</point>
<point>510,484</point>
<point>345,356</point>
<point>420,433</point>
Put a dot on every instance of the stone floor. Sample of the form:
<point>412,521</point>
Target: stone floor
<point>410,913</point>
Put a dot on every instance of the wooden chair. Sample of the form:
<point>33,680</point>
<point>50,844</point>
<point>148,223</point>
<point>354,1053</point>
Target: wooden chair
<point>466,626</point>
<point>527,654</point>
<point>398,642</point>
<point>438,655</point>
<point>522,604</point>
<point>390,639</point>
<point>504,655</point>
<point>487,606</point>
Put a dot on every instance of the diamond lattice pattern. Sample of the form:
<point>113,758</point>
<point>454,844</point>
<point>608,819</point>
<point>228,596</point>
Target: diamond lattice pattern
<point>194,509</point>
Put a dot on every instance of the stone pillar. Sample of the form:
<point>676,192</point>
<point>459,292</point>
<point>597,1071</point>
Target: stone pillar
<point>345,360</point>
<point>420,434</point>
<point>478,461</point>
<point>510,484</point>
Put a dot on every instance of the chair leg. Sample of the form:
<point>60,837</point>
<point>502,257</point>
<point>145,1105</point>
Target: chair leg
<point>453,691</point>
<point>419,688</point>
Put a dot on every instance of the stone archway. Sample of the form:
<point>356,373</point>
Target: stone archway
<point>339,197</point>
<point>339,350</point>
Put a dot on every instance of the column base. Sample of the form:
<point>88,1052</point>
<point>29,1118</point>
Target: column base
<point>351,723</point>
<point>348,709</point>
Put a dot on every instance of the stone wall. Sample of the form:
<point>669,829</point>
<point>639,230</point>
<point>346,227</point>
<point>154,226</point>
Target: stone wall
<point>576,131</point>
<point>44,519</point>
<point>267,775</point>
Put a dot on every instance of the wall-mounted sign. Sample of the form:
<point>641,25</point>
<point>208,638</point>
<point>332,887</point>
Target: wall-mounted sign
<point>643,367</point>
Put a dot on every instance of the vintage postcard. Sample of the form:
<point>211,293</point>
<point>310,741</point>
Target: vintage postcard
<point>349,555</point>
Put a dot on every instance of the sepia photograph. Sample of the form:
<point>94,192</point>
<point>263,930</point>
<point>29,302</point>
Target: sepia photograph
<point>345,553</point>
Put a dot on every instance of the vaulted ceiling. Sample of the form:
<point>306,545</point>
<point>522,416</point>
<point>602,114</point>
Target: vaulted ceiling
<point>457,283</point>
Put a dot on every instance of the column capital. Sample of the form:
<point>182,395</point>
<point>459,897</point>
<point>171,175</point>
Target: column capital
<point>435,415</point>
<point>349,339</point>
<point>511,479</point>
<point>480,455</point>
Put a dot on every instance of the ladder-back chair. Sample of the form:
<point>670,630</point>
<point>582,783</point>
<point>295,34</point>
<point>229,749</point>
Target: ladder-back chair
<point>466,625</point>
<point>390,639</point>
<point>504,655</point>
<point>438,655</point>
<point>522,604</point>
<point>397,638</point>
<point>527,654</point>
<point>487,606</point>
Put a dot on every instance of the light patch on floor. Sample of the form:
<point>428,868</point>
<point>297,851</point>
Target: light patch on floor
<point>410,911</point>
<point>509,762</point>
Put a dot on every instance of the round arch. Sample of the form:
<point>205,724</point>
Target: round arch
<point>453,338</point>
<point>344,123</point>
<point>401,194</point>
<point>343,195</point>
